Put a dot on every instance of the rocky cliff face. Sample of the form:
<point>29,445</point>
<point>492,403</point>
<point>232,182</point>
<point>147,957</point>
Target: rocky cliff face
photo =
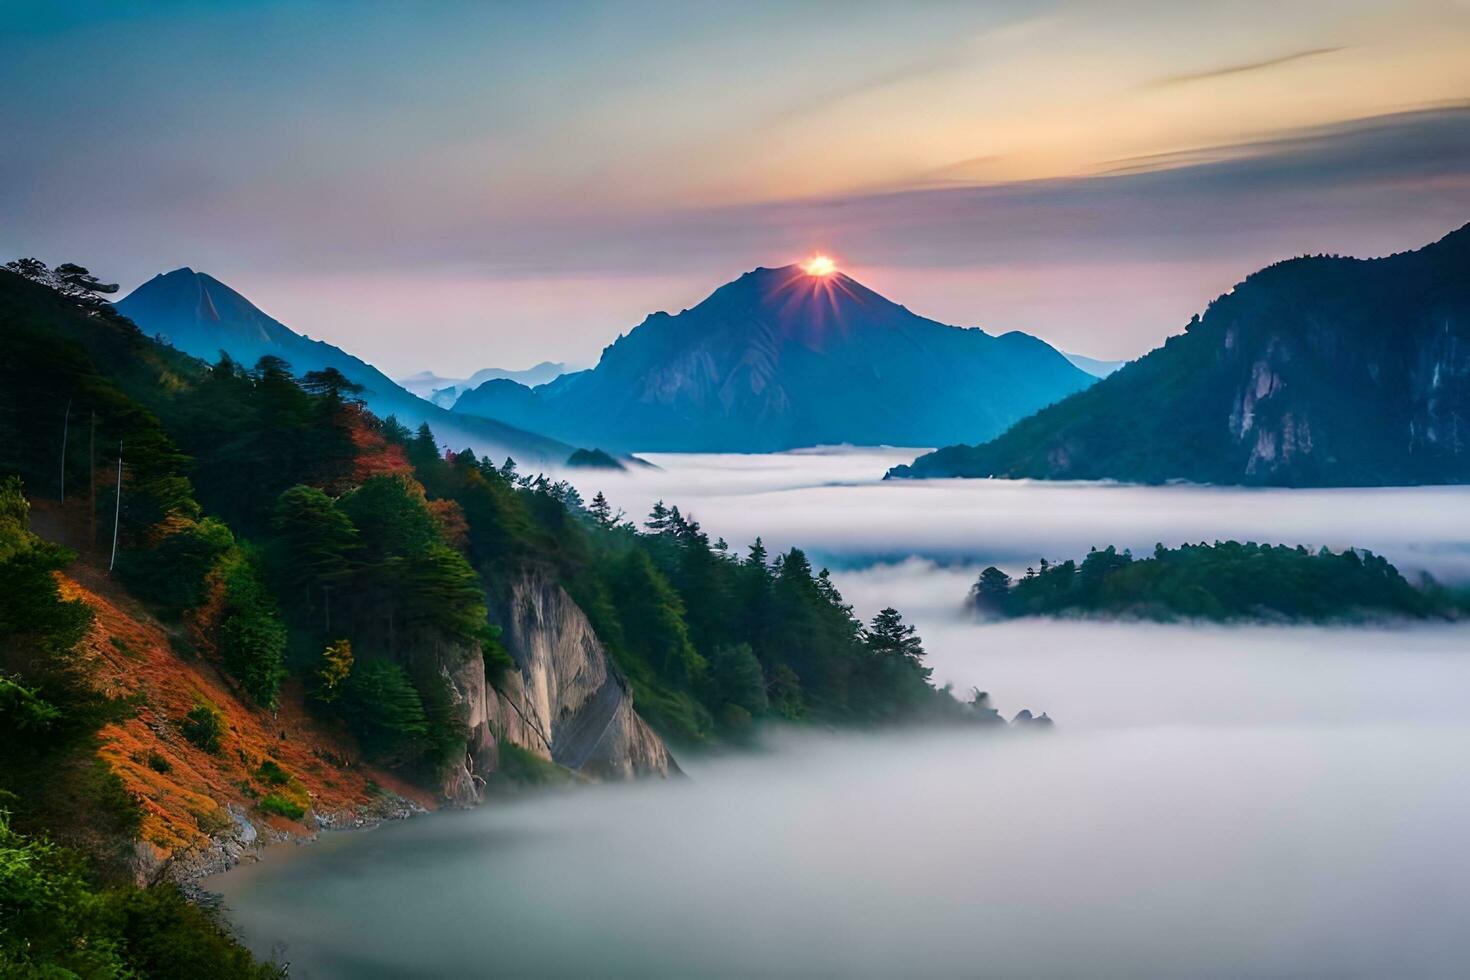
<point>566,703</point>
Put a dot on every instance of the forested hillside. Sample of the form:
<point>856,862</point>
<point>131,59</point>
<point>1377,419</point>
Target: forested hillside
<point>1322,370</point>
<point>301,521</point>
<point>331,562</point>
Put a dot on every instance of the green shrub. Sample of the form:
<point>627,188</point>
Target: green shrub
<point>272,774</point>
<point>204,727</point>
<point>211,821</point>
<point>282,807</point>
<point>53,924</point>
<point>23,710</point>
<point>522,767</point>
<point>159,933</point>
<point>158,763</point>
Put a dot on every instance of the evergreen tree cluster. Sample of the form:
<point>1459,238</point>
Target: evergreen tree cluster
<point>1221,581</point>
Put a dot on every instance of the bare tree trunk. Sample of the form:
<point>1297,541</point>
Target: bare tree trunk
<point>92,491</point>
<point>65,431</point>
<point>117,510</point>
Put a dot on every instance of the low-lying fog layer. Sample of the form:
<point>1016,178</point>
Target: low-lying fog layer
<point>1182,850</point>
<point>1092,673</point>
<point>1241,801</point>
<point>835,504</point>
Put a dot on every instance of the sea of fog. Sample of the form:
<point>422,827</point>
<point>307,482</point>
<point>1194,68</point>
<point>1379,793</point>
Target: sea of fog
<point>835,504</point>
<point>1241,801</point>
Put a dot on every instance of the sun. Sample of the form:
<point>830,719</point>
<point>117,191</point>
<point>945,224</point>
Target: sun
<point>819,265</point>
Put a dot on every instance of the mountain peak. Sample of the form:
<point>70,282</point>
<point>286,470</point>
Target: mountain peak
<point>800,304</point>
<point>202,316</point>
<point>191,309</point>
<point>796,271</point>
<point>795,355</point>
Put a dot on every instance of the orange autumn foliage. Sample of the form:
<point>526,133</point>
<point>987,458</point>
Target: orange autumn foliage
<point>183,790</point>
<point>376,456</point>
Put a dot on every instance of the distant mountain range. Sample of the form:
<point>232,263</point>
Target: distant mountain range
<point>1318,371</point>
<point>444,392</point>
<point>780,359</point>
<point>1094,367</point>
<point>200,315</point>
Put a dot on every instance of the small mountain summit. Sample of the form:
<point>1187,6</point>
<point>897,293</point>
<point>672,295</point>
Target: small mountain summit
<point>785,357</point>
<point>192,310</point>
<point>202,316</point>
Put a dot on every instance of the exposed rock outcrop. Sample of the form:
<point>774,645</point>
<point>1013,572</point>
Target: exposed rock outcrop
<point>566,703</point>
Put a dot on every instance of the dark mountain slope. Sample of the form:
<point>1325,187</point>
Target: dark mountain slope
<point>202,316</point>
<point>779,359</point>
<point>1318,371</point>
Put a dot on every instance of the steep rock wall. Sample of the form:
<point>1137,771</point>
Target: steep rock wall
<point>566,703</point>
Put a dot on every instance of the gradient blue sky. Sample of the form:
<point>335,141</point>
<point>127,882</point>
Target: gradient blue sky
<point>450,186</point>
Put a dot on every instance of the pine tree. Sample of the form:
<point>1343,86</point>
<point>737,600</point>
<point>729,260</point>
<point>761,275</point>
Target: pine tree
<point>332,385</point>
<point>394,431</point>
<point>991,590</point>
<point>890,636</point>
<point>601,511</point>
<point>314,546</point>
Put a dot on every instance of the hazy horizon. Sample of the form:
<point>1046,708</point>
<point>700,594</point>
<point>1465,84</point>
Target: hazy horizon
<point>834,503</point>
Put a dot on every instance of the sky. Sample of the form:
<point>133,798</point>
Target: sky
<point>451,186</point>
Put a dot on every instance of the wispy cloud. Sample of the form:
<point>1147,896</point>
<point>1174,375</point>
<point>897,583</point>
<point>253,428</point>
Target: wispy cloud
<point>1244,69</point>
<point>1386,182</point>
